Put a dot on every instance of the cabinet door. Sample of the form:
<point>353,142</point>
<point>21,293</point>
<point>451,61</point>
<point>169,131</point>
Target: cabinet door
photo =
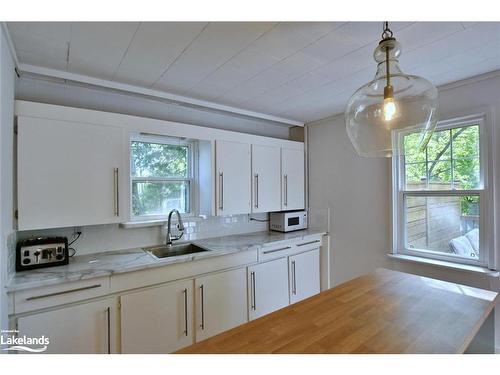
<point>268,287</point>
<point>304,275</point>
<point>87,328</point>
<point>292,179</point>
<point>233,178</point>
<point>221,302</point>
<point>266,190</point>
<point>157,320</point>
<point>69,173</point>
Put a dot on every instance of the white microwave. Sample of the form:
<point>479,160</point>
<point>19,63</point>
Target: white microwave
<point>288,221</point>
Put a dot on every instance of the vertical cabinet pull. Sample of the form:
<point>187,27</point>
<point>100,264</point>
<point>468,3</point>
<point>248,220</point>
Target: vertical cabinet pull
<point>221,190</point>
<point>252,280</point>
<point>256,190</point>
<point>286,190</point>
<point>185,292</point>
<point>202,325</point>
<point>116,191</point>
<point>294,279</point>
<point>108,322</point>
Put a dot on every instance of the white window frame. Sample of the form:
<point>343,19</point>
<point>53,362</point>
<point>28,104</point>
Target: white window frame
<point>192,178</point>
<point>485,192</point>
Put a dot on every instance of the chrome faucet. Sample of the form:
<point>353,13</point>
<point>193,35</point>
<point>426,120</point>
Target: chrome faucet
<point>180,227</point>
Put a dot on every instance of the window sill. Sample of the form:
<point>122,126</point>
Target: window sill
<point>157,222</point>
<point>445,264</point>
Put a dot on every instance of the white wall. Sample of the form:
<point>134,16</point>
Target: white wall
<point>7,235</point>
<point>358,191</point>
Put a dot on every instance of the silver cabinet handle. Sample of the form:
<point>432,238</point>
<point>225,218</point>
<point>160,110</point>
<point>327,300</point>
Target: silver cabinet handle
<point>185,311</point>
<point>294,279</point>
<point>256,190</point>
<point>221,190</point>
<point>252,279</point>
<point>286,190</point>
<point>202,325</point>
<point>63,292</point>
<point>307,243</point>
<point>108,318</point>
<point>275,250</point>
<point>116,191</point>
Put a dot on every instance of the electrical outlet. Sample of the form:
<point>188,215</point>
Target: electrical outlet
<point>77,230</point>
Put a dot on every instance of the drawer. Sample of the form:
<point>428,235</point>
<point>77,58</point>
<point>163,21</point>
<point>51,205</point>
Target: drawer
<point>178,271</point>
<point>44,297</point>
<point>275,251</point>
<point>284,249</point>
<point>308,244</point>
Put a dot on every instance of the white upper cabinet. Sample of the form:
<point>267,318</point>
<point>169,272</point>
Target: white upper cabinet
<point>266,184</point>
<point>292,179</point>
<point>233,191</point>
<point>221,302</point>
<point>69,174</point>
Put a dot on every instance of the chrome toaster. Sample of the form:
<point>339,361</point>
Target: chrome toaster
<point>41,252</point>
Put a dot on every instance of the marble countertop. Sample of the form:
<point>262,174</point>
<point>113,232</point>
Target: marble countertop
<point>113,262</point>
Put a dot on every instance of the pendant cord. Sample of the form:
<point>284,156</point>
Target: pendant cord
<point>386,34</point>
<point>387,69</point>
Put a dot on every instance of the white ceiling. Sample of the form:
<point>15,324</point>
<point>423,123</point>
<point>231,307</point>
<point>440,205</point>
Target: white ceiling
<point>302,71</point>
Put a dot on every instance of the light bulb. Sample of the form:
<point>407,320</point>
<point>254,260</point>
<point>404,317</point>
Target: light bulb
<point>389,109</point>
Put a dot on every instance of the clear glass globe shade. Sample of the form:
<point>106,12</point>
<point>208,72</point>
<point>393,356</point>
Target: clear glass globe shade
<point>370,118</point>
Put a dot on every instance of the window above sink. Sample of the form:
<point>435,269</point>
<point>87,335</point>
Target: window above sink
<point>162,176</point>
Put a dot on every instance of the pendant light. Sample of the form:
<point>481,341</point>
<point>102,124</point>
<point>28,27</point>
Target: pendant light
<point>392,100</point>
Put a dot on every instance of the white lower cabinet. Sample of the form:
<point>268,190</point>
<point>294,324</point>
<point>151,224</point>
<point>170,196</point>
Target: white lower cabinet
<point>268,287</point>
<point>87,328</point>
<point>220,302</point>
<point>157,320</point>
<point>303,275</point>
<point>165,317</point>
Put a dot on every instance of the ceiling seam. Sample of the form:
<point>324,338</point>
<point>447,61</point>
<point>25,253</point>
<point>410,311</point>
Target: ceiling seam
<point>180,54</point>
<point>68,44</point>
<point>126,51</point>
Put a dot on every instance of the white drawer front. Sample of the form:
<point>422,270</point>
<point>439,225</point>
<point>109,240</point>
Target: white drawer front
<point>40,298</point>
<point>276,251</point>
<point>309,244</point>
<point>284,249</point>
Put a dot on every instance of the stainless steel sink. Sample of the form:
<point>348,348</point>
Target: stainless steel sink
<point>173,250</point>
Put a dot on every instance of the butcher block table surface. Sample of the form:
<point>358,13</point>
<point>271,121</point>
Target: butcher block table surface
<point>382,312</point>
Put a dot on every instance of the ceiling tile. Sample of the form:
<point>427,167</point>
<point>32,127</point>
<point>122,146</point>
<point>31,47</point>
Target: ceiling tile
<point>421,33</point>
<point>237,70</point>
<point>41,43</point>
<point>217,44</point>
<point>54,31</point>
<point>290,37</point>
<point>98,47</point>
<point>475,36</point>
<point>155,46</point>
